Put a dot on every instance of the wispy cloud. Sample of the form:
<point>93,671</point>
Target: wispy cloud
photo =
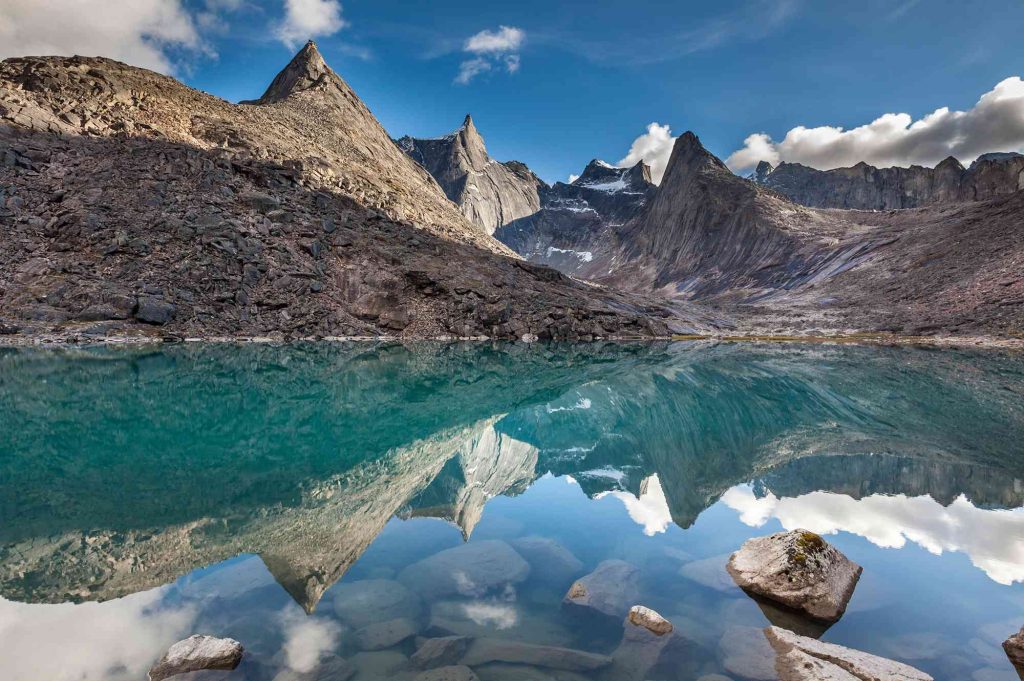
<point>490,49</point>
<point>754,21</point>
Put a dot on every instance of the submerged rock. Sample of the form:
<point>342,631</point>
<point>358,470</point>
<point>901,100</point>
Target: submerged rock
<point>368,601</point>
<point>484,650</point>
<point>1014,647</point>
<point>440,652</point>
<point>472,569</point>
<point>380,635</point>
<point>799,658</point>
<point>745,652</point>
<point>798,569</point>
<point>451,673</point>
<point>196,653</point>
<point>330,668</point>
<point>549,561</point>
<point>609,590</point>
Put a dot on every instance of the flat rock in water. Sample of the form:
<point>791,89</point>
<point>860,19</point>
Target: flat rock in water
<point>798,569</point>
<point>368,601</point>
<point>1014,647</point>
<point>806,659</point>
<point>381,664</point>
<point>610,590</point>
<point>380,635</point>
<point>484,650</point>
<point>472,569</point>
<point>196,653</point>
<point>440,652</point>
<point>450,673</point>
<point>549,561</point>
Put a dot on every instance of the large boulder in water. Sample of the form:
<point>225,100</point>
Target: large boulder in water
<point>799,570</point>
<point>610,590</point>
<point>196,653</point>
<point>799,658</point>
<point>472,569</point>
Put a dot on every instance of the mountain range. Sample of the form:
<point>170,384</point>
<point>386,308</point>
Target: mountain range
<point>134,205</point>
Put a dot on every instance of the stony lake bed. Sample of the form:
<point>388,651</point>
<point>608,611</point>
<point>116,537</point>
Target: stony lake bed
<point>495,510</point>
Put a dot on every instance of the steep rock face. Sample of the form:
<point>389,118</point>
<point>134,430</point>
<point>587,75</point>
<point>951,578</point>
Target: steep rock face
<point>130,202</point>
<point>780,267</point>
<point>707,231</point>
<point>490,194</point>
<point>577,228</point>
<point>865,187</point>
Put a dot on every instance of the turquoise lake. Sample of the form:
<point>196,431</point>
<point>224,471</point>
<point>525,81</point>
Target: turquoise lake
<point>282,495</point>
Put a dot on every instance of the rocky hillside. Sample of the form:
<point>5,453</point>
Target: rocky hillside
<point>132,204</point>
<point>577,228</point>
<point>865,187</point>
<point>780,267</point>
<point>491,194</point>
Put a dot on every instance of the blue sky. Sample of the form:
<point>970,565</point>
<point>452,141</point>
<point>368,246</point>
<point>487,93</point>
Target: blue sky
<point>592,76</point>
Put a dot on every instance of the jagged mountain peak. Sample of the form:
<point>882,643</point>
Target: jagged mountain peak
<point>306,70</point>
<point>691,159</point>
<point>606,177</point>
<point>761,172</point>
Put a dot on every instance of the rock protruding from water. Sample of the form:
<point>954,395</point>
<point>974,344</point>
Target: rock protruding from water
<point>799,658</point>
<point>469,570</point>
<point>197,653</point>
<point>798,569</point>
<point>609,591</point>
<point>1014,647</point>
<point>648,643</point>
<point>641,616</point>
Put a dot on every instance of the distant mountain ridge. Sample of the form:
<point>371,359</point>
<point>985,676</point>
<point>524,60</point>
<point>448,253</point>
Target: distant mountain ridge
<point>865,187</point>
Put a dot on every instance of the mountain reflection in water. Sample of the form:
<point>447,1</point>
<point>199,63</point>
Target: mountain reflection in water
<point>126,469</point>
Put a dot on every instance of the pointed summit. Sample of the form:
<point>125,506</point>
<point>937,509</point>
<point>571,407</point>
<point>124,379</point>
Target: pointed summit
<point>306,70</point>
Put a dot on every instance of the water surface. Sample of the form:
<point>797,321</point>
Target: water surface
<point>150,493</point>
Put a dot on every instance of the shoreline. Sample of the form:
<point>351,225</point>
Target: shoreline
<point>980,342</point>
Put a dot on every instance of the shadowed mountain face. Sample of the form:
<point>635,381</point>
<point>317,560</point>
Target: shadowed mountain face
<point>712,237</point>
<point>130,202</point>
<point>489,193</point>
<point>125,469</point>
<point>865,187</point>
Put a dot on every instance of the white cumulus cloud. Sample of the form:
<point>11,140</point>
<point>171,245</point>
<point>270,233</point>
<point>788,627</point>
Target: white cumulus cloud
<point>654,147</point>
<point>490,49</point>
<point>141,32</point>
<point>994,123</point>
<point>308,19</point>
